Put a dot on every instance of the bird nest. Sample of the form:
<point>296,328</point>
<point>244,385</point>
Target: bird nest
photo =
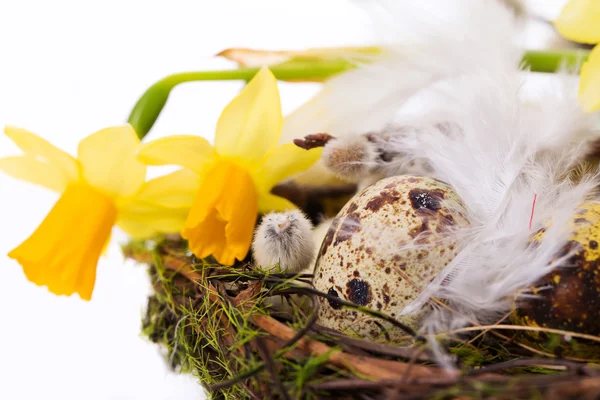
<point>219,323</point>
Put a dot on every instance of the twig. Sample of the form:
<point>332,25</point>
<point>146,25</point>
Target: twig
<point>380,348</point>
<point>367,366</point>
<point>304,330</point>
<point>249,391</point>
<point>228,383</point>
<point>411,364</point>
<point>229,275</point>
<point>524,328</point>
<point>365,310</point>
<point>527,362</point>
<point>264,353</point>
<point>487,330</point>
<point>501,336</point>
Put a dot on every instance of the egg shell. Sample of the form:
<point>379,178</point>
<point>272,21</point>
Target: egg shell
<point>568,298</point>
<point>387,244</point>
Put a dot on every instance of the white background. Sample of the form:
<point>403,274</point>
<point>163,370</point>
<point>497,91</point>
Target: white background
<point>69,68</point>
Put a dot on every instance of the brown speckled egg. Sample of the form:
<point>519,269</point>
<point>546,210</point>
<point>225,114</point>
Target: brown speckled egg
<point>568,298</point>
<point>387,243</point>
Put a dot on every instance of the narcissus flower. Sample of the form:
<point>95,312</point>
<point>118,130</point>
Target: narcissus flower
<point>103,187</point>
<point>579,21</point>
<point>318,114</point>
<point>226,186</point>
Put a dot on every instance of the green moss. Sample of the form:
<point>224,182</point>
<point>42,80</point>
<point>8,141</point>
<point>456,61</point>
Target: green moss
<point>202,332</point>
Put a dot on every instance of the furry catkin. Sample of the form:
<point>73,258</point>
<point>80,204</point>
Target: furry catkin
<point>284,240</point>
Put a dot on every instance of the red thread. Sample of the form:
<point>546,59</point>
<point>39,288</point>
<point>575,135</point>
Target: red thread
<point>532,210</point>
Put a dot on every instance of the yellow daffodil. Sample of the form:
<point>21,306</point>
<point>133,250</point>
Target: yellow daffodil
<point>226,186</point>
<point>103,187</point>
<point>579,21</point>
<point>316,114</point>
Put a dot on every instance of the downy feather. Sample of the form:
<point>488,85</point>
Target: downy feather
<point>425,42</point>
<point>459,101</point>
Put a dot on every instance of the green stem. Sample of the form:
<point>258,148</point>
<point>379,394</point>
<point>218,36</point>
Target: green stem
<point>551,61</point>
<point>149,106</point>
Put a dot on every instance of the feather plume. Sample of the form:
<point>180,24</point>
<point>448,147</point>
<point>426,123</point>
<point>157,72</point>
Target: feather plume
<point>425,42</point>
<point>499,153</point>
<point>457,99</point>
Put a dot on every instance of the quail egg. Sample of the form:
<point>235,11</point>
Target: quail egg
<point>568,298</point>
<point>383,248</point>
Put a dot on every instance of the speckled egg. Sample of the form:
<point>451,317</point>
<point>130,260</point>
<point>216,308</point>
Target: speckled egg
<point>568,298</point>
<point>387,243</point>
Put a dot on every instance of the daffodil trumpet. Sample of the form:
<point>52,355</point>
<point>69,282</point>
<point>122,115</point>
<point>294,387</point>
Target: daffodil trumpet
<point>227,185</point>
<point>103,187</point>
<point>150,104</point>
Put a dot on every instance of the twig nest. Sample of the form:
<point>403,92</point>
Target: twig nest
<point>383,248</point>
<point>568,298</point>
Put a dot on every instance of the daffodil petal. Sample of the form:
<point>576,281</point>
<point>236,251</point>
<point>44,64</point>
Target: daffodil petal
<point>63,252</point>
<point>283,162</point>
<point>250,126</point>
<point>108,161</point>
<point>140,219</point>
<point>222,219</point>
<point>36,147</point>
<point>579,21</point>
<point>175,190</point>
<point>209,237</point>
<point>240,209</point>
<point>589,82</point>
<point>30,169</point>
<point>269,202</point>
<point>192,152</point>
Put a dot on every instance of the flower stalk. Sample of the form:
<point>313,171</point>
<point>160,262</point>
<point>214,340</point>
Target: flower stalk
<point>150,104</point>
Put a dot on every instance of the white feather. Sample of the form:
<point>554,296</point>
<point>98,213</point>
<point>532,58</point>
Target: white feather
<point>451,80</point>
<point>498,152</point>
<point>425,42</point>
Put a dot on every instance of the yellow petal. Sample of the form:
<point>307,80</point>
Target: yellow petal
<point>36,147</point>
<point>189,151</point>
<point>175,190</point>
<point>250,126</point>
<point>579,21</point>
<point>63,252</point>
<point>589,82</point>
<point>141,219</point>
<point>30,169</point>
<point>222,219</point>
<point>269,202</point>
<point>108,161</point>
<point>283,162</point>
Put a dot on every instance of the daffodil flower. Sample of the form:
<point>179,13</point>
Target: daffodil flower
<point>226,186</point>
<point>103,187</point>
<point>579,21</point>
